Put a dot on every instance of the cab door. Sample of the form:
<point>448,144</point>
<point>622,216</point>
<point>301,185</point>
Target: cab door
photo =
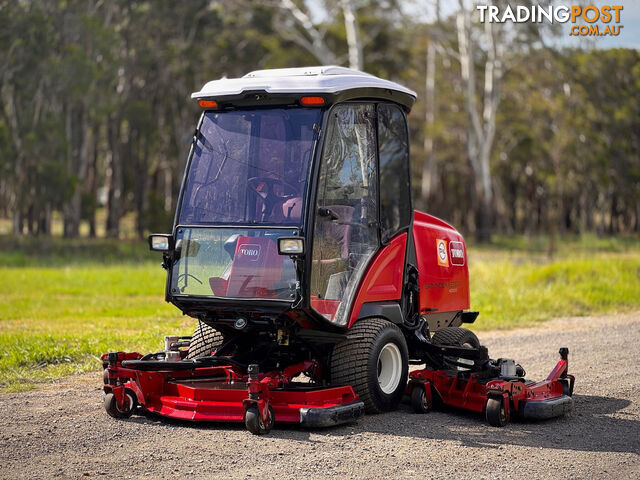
<point>346,233</point>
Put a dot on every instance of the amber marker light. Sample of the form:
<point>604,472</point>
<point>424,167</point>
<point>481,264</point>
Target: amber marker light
<point>208,103</point>
<point>312,101</point>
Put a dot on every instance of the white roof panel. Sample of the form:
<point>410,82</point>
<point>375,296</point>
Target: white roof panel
<point>327,79</point>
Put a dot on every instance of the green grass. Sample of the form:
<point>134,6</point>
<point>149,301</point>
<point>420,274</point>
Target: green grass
<point>514,292</point>
<point>63,304</point>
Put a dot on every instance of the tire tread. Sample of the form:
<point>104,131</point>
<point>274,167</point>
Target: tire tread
<point>204,341</point>
<point>349,356</point>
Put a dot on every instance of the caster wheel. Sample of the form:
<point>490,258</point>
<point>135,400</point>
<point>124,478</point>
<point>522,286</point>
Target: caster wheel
<point>566,390</point>
<point>495,413</point>
<point>254,423</point>
<point>114,410</point>
<point>419,400</point>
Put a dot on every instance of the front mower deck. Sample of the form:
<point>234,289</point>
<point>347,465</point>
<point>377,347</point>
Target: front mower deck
<point>223,394</point>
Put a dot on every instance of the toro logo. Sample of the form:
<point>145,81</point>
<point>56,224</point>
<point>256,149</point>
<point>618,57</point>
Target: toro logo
<point>456,252</point>
<point>249,250</point>
<point>441,252</point>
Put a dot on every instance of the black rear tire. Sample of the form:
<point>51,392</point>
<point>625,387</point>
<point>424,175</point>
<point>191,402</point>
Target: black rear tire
<point>374,360</point>
<point>204,342</point>
<point>455,336</point>
<point>458,337</point>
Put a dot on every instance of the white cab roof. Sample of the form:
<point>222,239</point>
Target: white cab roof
<point>327,79</point>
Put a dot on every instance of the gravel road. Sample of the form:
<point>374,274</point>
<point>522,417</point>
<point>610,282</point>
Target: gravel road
<point>62,431</point>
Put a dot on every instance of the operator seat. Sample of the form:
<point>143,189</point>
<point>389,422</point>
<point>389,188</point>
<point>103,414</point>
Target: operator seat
<point>256,269</point>
<point>340,234</point>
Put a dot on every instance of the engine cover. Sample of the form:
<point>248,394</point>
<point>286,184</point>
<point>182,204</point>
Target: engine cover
<point>442,265</point>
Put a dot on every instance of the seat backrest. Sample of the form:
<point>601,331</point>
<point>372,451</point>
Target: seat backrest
<point>340,233</point>
<point>256,268</point>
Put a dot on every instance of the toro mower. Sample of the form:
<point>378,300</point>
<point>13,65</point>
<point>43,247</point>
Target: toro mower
<point>314,282</point>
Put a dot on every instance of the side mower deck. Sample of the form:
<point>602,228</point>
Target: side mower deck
<point>501,398</point>
<point>213,390</point>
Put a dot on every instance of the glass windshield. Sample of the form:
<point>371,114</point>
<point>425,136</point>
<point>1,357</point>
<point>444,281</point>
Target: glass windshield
<point>234,263</point>
<point>250,167</point>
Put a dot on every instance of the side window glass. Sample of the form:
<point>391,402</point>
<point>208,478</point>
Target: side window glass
<point>346,231</point>
<point>395,189</point>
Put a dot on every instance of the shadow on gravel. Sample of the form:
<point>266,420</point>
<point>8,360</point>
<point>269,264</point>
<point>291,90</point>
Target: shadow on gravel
<point>597,424</point>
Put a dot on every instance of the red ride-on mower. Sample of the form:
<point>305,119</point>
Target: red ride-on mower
<point>314,282</point>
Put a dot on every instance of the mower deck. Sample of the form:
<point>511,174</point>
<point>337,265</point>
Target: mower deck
<point>222,394</point>
<point>186,390</point>
<point>501,398</point>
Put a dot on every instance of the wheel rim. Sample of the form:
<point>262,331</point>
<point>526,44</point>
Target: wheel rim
<point>389,368</point>
<point>424,400</point>
<point>128,405</point>
<point>465,361</point>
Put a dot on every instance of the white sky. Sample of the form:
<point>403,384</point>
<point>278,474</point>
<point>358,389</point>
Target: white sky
<point>629,36</point>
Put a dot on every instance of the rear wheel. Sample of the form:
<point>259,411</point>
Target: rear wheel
<point>458,337</point>
<point>204,342</point>
<point>374,361</point>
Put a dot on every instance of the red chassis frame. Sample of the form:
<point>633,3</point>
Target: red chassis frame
<point>223,394</point>
<point>528,400</point>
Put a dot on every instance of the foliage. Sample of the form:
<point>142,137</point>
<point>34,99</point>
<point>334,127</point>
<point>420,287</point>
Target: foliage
<point>96,110</point>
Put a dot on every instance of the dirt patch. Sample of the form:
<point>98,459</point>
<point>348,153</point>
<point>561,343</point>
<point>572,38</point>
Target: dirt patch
<point>62,430</point>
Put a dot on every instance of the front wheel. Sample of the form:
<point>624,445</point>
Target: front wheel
<point>115,410</point>
<point>419,400</point>
<point>254,423</point>
<point>374,360</point>
<point>495,412</point>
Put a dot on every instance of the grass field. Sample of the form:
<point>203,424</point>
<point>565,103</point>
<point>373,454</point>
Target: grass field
<point>64,304</point>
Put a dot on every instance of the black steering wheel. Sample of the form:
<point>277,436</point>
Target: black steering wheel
<point>263,187</point>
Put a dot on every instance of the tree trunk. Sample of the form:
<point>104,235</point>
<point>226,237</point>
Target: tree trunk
<point>429,166</point>
<point>480,131</point>
<point>142,186</point>
<point>353,36</point>
<point>92,181</point>
<point>77,126</point>
<point>313,42</point>
<point>115,178</point>
<point>10,113</point>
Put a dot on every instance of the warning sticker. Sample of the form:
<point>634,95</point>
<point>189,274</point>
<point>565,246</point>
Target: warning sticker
<point>441,249</point>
